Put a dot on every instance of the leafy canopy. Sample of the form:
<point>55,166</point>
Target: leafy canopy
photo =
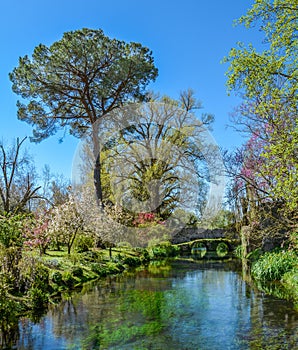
<point>268,81</point>
<point>78,79</point>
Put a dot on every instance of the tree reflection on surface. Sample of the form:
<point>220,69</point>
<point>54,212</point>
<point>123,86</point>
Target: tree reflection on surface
<point>183,306</point>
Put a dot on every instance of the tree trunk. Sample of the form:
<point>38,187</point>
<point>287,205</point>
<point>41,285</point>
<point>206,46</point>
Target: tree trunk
<point>244,235</point>
<point>97,165</point>
<point>97,181</point>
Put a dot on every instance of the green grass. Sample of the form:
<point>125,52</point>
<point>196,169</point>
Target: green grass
<point>290,282</point>
<point>56,253</point>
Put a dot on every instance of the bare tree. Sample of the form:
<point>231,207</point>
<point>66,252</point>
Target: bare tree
<point>17,187</point>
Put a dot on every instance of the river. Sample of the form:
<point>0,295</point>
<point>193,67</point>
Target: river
<point>182,305</point>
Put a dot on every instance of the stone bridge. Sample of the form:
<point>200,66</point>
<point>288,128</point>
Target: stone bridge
<point>208,243</point>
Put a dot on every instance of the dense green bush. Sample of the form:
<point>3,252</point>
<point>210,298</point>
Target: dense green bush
<point>38,299</point>
<point>255,254</point>
<point>132,261</point>
<point>98,269</point>
<point>272,266</point>
<point>91,256</point>
<point>57,277</point>
<point>145,256</point>
<point>11,230</point>
<point>41,277</point>
<point>290,281</point>
<point>68,279</point>
<point>83,243</point>
<point>8,307</point>
<point>113,268</point>
<point>77,271</point>
<point>10,258</point>
<point>164,250</point>
<point>32,273</point>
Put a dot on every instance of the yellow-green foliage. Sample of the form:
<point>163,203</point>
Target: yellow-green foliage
<point>267,79</point>
<point>272,266</point>
<point>290,282</point>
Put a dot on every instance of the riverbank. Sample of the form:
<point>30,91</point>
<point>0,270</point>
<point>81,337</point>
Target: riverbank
<point>275,272</point>
<point>43,278</point>
<point>168,304</point>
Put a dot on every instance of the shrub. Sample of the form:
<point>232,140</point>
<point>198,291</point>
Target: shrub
<point>255,254</point>
<point>8,307</point>
<point>163,250</point>
<point>145,256</point>
<point>57,277</point>
<point>10,258</point>
<point>97,268</point>
<point>290,281</point>
<point>83,243</point>
<point>91,256</point>
<point>108,269</point>
<point>131,261</point>
<point>112,268</point>
<point>68,279</point>
<point>37,298</point>
<point>272,266</point>
<point>11,230</point>
<point>77,271</point>
<point>291,278</point>
<point>41,277</point>
<point>32,274</point>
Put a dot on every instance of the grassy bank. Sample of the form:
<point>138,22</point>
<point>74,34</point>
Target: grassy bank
<point>42,279</point>
<point>276,273</point>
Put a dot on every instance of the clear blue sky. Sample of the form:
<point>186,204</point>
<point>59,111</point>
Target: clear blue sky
<point>188,38</point>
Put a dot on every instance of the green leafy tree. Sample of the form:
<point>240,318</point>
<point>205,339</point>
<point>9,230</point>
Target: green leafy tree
<point>11,247</point>
<point>158,162</point>
<point>268,77</point>
<point>268,82</point>
<point>11,227</point>
<point>78,80</point>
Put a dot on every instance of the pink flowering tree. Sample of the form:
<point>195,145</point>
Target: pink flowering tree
<point>251,184</point>
<point>36,234</point>
<point>150,229</point>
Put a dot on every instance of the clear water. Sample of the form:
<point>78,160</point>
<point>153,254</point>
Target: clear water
<point>180,306</point>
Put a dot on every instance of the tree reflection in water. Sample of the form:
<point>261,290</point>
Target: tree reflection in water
<point>186,306</point>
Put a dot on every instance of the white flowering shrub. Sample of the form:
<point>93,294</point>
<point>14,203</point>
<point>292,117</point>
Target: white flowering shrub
<point>81,215</point>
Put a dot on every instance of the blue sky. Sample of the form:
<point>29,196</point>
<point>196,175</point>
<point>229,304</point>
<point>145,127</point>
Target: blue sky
<point>188,38</point>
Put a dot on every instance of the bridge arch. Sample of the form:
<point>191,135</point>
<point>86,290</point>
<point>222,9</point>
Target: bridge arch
<point>209,247</point>
<point>198,249</point>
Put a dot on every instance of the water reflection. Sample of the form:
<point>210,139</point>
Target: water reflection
<point>184,306</point>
